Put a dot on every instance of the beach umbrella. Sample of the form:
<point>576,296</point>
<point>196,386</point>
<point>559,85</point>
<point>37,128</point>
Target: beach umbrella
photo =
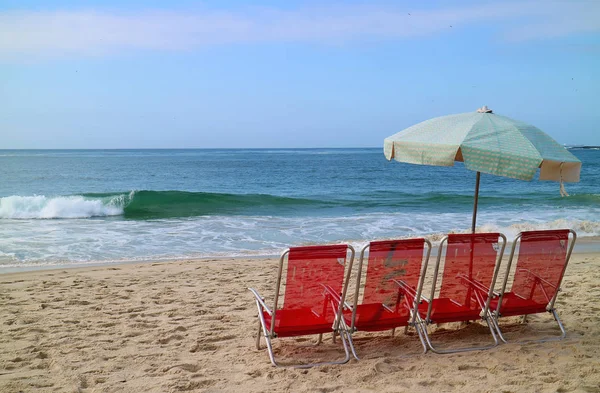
<point>486,143</point>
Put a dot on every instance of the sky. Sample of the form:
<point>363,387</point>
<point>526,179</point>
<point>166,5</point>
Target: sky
<point>238,74</point>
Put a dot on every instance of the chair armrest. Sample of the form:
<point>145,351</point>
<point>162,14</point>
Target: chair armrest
<point>408,290</point>
<point>540,279</point>
<point>260,300</point>
<point>477,285</point>
<point>335,296</point>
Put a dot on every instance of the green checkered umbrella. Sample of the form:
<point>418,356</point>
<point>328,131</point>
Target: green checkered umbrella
<point>487,143</point>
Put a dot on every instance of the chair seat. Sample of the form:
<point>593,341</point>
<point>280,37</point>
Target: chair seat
<point>516,305</point>
<point>445,310</point>
<point>300,322</point>
<point>374,317</point>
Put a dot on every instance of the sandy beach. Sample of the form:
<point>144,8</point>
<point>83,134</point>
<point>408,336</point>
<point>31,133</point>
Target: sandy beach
<point>191,325</point>
<point>157,157</point>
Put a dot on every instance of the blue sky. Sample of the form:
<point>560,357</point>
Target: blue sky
<point>150,74</point>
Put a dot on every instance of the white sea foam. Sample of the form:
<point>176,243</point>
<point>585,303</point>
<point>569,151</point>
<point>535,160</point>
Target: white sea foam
<point>33,242</point>
<point>40,206</point>
<point>582,227</point>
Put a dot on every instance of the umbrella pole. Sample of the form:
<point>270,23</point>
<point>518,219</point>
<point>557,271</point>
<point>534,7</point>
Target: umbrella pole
<point>475,202</point>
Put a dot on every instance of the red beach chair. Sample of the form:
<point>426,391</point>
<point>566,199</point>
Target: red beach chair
<point>313,273</point>
<point>541,263</point>
<point>470,269</point>
<point>393,281</point>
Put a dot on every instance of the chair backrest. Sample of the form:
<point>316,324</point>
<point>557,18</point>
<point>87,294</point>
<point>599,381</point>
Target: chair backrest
<point>391,260</point>
<point>541,263</point>
<point>308,270</point>
<point>475,257</point>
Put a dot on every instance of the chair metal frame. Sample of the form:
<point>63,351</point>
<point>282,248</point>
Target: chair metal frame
<point>268,332</point>
<point>412,298</point>
<point>478,290</point>
<point>496,314</point>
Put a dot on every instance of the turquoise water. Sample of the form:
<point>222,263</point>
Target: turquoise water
<point>61,207</point>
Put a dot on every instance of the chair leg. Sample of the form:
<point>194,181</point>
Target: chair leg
<point>563,332</point>
<point>346,335</point>
<point>345,331</point>
<point>560,325</point>
<point>258,336</point>
<point>498,331</point>
<point>309,365</point>
<point>270,351</point>
<point>349,337</point>
<point>266,334</point>
<point>262,326</point>
<point>418,327</point>
<point>524,319</point>
<point>465,349</point>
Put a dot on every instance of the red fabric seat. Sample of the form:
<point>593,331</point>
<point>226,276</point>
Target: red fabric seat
<point>309,270</point>
<point>469,258</point>
<point>300,322</point>
<point>516,305</point>
<point>375,317</point>
<point>314,277</point>
<point>445,310</point>
<point>389,262</point>
<point>541,259</point>
<point>540,267</point>
<point>468,273</point>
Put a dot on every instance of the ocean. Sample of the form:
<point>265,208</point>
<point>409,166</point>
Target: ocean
<point>78,207</point>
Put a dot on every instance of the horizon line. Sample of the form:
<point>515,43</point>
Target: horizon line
<point>566,146</point>
<point>195,148</point>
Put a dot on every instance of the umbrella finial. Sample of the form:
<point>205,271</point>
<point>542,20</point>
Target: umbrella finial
<point>484,109</point>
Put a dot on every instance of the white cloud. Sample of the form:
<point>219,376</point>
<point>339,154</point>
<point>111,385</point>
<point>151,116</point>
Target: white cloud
<point>91,32</point>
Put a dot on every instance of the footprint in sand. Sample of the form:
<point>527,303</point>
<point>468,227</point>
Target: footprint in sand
<point>200,347</point>
<point>193,385</point>
<point>192,368</point>
<point>168,339</point>
<point>384,367</point>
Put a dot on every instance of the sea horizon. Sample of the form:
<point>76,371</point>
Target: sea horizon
<point>568,146</point>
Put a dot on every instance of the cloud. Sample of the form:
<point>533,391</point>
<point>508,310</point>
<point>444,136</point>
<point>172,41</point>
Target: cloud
<point>95,32</point>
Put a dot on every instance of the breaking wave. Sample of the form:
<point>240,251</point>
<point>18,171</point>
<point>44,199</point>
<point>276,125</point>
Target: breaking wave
<point>147,205</point>
<point>42,207</point>
<point>144,205</point>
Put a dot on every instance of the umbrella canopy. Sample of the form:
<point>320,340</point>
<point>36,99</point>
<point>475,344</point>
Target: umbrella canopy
<point>485,142</point>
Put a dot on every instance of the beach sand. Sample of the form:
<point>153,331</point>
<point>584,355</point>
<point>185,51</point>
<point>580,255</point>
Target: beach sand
<point>191,325</point>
